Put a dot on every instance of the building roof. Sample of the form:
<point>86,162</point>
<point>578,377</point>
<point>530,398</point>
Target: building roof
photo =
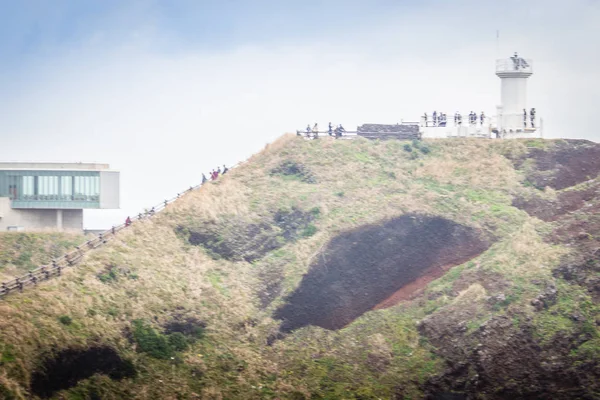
<point>53,166</point>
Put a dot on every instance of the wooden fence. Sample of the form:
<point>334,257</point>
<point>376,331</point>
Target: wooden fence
<point>45,272</point>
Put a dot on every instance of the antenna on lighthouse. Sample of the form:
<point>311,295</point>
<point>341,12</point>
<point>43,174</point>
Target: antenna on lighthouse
<point>497,43</point>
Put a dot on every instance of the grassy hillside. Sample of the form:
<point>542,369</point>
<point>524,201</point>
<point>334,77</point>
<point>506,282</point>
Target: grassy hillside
<point>188,305</point>
<point>20,251</point>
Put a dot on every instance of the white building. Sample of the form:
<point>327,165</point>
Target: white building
<point>513,118</point>
<point>37,196</point>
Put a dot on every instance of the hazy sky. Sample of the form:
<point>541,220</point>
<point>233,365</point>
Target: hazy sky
<point>166,90</point>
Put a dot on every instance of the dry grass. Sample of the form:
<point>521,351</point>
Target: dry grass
<point>358,182</point>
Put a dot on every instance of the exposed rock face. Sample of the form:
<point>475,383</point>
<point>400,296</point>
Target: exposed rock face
<point>65,369</point>
<point>566,163</point>
<point>360,269</point>
<point>502,360</point>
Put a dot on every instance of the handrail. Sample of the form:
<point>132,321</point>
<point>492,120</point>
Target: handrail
<point>45,272</point>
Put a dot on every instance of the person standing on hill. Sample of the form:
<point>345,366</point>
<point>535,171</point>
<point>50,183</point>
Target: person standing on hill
<point>204,178</point>
<point>425,118</point>
<point>435,118</point>
<point>225,169</point>
<point>524,118</point>
<point>128,221</point>
<point>330,129</point>
<point>443,119</point>
<point>482,117</point>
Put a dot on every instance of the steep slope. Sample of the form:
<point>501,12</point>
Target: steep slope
<point>332,269</point>
<point>20,251</point>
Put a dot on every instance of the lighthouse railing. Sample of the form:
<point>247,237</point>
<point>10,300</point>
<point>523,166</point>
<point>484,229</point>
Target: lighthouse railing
<point>514,65</point>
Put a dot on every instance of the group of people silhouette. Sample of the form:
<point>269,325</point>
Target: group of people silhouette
<point>314,131</point>
<point>440,119</point>
<point>531,116</point>
<point>214,174</point>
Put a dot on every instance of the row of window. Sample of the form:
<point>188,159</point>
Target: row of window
<point>85,188</point>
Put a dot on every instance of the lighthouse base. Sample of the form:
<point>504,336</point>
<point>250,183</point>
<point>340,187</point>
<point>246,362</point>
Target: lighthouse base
<point>519,133</point>
<point>476,131</point>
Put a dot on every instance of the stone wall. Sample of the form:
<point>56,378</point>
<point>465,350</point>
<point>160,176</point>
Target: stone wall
<point>382,131</point>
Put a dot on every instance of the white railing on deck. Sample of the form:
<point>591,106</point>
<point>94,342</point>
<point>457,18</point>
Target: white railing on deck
<point>512,65</point>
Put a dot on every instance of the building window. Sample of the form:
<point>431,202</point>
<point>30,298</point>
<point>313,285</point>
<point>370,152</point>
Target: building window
<point>87,188</point>
<point>66,187</point>
<point>48,187</point>
<point>28,189</point>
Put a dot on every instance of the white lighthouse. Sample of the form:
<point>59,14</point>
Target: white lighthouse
<point>514,119</point>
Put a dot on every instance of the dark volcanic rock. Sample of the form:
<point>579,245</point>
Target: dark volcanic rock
<point>564,164</point>
<point>360,269</point>
<point>503,361</point>
<point>65,369</point>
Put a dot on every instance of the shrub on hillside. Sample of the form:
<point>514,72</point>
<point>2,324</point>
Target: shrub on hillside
<point>150,341</point>
<point>178,341</point>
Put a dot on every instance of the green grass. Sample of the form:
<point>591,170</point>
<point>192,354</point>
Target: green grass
<point>355,183</point>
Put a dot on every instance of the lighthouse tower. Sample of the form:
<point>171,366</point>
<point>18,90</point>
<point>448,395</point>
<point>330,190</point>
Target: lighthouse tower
<point>514,118</point>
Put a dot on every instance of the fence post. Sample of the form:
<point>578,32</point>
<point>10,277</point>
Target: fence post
<point>5,288</point>
<point>59,269</point>
<point>45,271</point>
<point>32,278</point>
<point>113,230</point>
<point>19,284</point>
<point>68,261</point>
<point>101,237</point>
